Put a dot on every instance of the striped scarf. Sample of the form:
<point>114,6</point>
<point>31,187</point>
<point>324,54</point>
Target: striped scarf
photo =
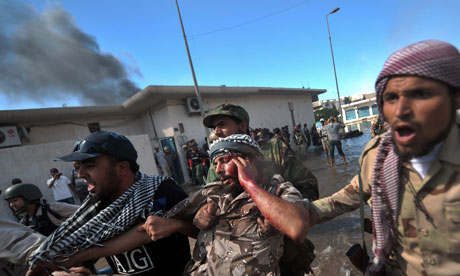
<point>385,202</point>
<point>88,226</point>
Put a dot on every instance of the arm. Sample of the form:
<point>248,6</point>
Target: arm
<point>51,183</point>
<point>126,241</point>
<point>131,239</point>
<point>286,217</point>
<point>347,199</point>
<point>205,218</point>
<point>159,227</point>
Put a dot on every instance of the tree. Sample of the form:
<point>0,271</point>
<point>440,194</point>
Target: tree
<point>325,113</point>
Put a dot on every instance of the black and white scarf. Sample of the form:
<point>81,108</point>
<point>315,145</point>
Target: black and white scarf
<point>88,226</point>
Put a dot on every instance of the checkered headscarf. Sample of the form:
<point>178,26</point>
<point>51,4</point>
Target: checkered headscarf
<point>236,143</point>
<point>430,59</point>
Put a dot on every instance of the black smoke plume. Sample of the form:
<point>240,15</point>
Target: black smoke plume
<point>45,55</point>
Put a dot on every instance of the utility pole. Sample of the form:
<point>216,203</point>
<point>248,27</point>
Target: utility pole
<point>333,63</point>
<point>197,90</point>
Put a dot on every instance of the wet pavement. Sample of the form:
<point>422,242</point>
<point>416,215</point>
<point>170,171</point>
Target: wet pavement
<point>332,239</point>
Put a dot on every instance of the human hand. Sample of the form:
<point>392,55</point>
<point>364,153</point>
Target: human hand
<point>265,227</point>
<point>80,270</point>
<point>158,227</point>
<point>247,172</point>
<point>205,218</point>
<point>41,268</point>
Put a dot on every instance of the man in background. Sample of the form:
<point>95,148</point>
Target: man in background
<point>61,186</point>
<point>334,133</point>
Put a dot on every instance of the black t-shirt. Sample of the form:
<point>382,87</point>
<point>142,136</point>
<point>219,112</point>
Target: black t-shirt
<point>196,157</point>
<point>167,256</point>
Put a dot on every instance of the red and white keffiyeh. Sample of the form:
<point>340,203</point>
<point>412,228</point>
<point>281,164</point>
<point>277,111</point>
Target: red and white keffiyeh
<point>432,59</point>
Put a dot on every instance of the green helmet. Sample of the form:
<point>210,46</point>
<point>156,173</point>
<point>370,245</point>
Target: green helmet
<point>29,192</point>
<point>227,110</point>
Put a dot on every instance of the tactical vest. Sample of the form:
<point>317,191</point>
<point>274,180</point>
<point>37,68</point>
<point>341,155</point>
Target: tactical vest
<point>42,223</point>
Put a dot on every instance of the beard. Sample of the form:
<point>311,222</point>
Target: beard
<point>426,145</point>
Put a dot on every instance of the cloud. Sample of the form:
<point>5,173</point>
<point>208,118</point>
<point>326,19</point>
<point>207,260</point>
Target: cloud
<point>45,55</point>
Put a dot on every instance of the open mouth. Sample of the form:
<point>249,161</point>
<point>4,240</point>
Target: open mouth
<point>90,188</point>
<point>404,134</point>
<point>226,180</point>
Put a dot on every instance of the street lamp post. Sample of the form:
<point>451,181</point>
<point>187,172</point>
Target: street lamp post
<point>197,90</point>
<point>333,62</point>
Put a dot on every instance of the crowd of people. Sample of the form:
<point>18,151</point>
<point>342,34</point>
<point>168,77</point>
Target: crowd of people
<point>259,200</point>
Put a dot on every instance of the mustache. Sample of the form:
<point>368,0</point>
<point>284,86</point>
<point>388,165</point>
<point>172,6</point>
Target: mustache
<point>413,124</point>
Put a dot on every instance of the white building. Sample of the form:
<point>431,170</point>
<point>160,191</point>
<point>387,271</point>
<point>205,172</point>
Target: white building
<point>360,113</point>
<point>156,115</point>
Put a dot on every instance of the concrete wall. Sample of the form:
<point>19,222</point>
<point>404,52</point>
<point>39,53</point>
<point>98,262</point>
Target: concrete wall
<point>32,164</point>
<point>78,129</point>
<point>272,111</point>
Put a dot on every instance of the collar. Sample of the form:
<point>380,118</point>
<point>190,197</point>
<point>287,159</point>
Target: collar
<point>450,151</point>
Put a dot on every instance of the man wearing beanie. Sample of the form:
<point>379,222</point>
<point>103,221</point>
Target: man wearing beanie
<point>252,212</point>
<point>411,172</point>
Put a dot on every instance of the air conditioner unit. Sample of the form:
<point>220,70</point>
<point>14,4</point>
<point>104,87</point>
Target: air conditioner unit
<point>192,105</point>
<point>9,136</point>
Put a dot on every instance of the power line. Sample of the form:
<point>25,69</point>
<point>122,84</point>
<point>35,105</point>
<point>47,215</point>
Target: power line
<point>250,21</point>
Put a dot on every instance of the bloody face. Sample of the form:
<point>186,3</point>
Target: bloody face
<point>101,176</point>
<point>420,112</point>
<point>227,170</point>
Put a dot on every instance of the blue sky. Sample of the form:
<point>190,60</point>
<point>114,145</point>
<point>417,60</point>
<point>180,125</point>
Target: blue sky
<point>274,44</point>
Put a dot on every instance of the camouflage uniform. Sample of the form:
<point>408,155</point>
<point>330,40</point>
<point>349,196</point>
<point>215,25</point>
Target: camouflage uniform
<point>422,248</point>
<point>236,245</point>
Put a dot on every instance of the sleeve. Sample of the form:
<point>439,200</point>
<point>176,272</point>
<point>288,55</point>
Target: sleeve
<point>65,210</point>
<point>49,181</point>
<point>18,241</point>
<point>347,199</point>
<point>187,208</point>
<point>288,192</point>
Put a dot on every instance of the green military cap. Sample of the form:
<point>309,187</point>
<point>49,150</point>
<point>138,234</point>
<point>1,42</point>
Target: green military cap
<point>228,110</point>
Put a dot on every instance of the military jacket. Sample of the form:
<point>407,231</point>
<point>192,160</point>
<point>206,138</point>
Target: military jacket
<point>422,247</point>
<point>236,245</point>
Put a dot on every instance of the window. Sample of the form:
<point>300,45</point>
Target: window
<point>363,112</point>
<point>375,109</point>
<point>350,114</point>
